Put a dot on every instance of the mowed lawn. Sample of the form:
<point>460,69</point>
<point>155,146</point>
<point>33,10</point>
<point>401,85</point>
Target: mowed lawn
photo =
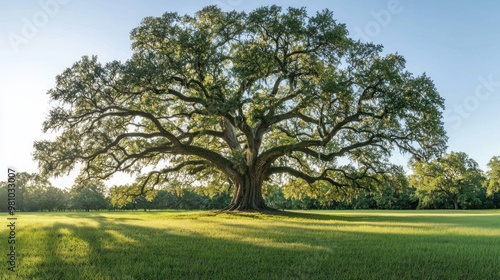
<point>208,245</point>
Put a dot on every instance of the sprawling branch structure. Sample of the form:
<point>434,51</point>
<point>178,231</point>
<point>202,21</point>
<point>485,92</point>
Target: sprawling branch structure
<point>246,96</point>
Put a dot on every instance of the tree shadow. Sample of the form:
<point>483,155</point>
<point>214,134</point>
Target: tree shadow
<point>113,250</point>
<point>286,214</point>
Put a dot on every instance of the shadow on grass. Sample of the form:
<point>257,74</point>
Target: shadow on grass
<point>113,249</point>
<point>288,214</point>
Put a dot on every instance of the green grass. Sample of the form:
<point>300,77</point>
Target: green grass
<point>205,245</point>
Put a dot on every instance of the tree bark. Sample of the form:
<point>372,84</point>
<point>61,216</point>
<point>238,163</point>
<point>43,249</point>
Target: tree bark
<point>248,195</point>
<point>455,204</point>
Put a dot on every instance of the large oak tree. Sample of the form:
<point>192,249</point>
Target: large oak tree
<point>241,98</point>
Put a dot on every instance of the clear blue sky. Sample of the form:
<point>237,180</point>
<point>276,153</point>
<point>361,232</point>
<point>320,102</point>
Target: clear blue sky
<point>455,42</point>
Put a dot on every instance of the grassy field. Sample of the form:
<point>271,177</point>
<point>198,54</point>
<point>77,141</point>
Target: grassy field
<point>207,245</point>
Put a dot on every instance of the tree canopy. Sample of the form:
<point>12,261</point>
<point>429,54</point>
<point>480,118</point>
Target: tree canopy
<point>234,100</point>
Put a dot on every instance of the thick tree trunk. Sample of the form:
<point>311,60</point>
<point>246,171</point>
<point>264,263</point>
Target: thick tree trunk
<point>455,204</point>
<point>248,196</point>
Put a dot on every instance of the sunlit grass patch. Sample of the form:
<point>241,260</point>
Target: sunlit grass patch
<point>211,245</point>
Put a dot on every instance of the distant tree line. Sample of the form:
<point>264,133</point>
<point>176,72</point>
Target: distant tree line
<point>452,182</point>
<point>34,193</point>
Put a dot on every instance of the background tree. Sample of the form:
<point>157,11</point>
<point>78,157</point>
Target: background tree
<point>4,197</point>
<point>166,200</point>
<point>89,196</point>
<point>34,192</point>
<point>493,176</point>
<point>275,197</point>
<point>455,177</point>
<point>238,99</point>
<point>55,199</point>
<point>395,192</point>
<point>219,200</point>
<point>26,181</point>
